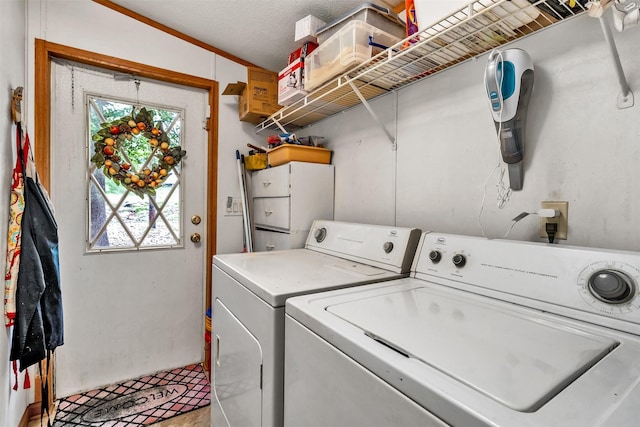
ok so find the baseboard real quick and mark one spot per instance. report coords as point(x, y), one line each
point(24, 421)
point(32, 413)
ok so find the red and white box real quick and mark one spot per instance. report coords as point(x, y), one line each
point(291, 83)
point(302, 51)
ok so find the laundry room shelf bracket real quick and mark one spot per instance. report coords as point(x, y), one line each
point(373, 114)
point(277, 123)
point(625, 97)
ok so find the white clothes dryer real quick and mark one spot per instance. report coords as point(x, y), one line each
point(248, 299)
point(483, 333)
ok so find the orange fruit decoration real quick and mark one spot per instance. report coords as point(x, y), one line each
point(111, 155)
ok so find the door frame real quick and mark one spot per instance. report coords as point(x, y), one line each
point(46, 51)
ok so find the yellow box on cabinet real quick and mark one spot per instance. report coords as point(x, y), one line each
point(256, 162)
point(258, 98)
point(286, 153)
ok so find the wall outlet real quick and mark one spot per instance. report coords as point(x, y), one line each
point(562, 220)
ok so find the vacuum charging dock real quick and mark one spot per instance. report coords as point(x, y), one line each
point(509, 82)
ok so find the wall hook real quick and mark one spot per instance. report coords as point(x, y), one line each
point(16, 107)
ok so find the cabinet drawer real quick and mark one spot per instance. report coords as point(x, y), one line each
point(271, 241)
point(271, 212)
point(267, 240)
point(272, 182)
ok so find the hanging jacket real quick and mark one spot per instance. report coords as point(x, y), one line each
point(38, 324)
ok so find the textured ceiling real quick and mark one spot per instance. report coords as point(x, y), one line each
point(258, 31)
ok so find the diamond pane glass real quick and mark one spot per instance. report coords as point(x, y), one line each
point(119, 218)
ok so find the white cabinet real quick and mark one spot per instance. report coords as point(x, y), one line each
point(286, 200)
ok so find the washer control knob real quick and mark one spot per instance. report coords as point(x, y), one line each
point(320, 234)
point(435, 256)
point(459, 260)
point(611, 286)
point(388, 247)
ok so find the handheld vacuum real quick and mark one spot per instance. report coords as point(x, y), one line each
point(509, 81)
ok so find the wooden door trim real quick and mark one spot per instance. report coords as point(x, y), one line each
point(45, 51)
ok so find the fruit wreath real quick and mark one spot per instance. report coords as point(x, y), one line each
point(110, 144)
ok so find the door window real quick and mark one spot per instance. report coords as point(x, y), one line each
point(119, 219)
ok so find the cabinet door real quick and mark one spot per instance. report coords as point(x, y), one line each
point(272, 182)
point(271, 212)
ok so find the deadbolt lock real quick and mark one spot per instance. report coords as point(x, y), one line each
point(195, 220)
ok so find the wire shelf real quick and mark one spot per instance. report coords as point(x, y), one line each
point(481, 26)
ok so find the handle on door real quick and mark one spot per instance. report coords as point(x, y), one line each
point(266, 212)
point(270, 247)
point(266, 183)
point(195, 237)
point(217, 351)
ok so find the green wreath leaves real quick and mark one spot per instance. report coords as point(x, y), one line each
point(110, 144)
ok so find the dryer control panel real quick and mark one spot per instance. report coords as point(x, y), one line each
point(391, 248)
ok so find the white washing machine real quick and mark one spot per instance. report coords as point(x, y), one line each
point(483, 333)
point(249, 294)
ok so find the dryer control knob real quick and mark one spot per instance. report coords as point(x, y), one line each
point(320, 234)
point(459, 260)
point(611, 286)
point(435, 256)
point(388, 247)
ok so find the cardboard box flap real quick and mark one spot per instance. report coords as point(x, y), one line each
point(234, 88)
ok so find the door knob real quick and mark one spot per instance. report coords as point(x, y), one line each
point(195, 237)
point(195, 220)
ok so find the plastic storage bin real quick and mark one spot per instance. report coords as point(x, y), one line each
point(286, 153)
point(380, 17)
point(349, 47)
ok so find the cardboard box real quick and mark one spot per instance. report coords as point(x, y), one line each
point(291, 83)
point(302, 51)
point(258, 98)
point(306, 29)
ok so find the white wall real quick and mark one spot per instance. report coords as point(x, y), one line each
point(580, 147)
point(12, 75)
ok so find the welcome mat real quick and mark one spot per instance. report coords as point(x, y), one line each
point(141, 402)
